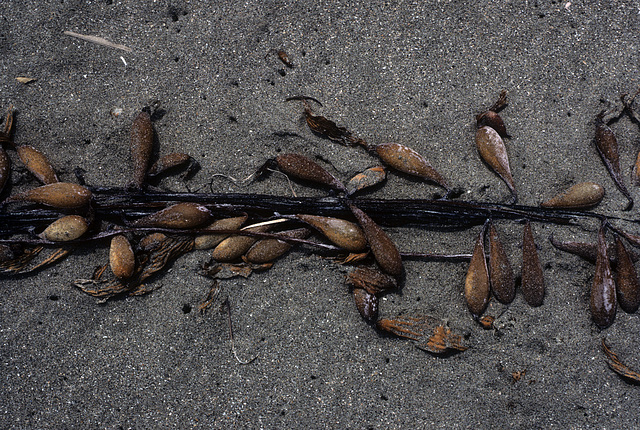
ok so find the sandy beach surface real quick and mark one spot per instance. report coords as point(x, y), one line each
point(415, 73)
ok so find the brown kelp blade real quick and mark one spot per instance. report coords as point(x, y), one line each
point(607, 146)
point(627, 285)
point(429, 333)
point(533, 288)
point(603, 289)
point(476, 285)
point(37, 163)
point(493, 151)
point(589, 251)
point(503, 283)
point(618, 366)
point(384, 250)
point(22, 264)
point(583, 195)
point(301, 167)
point(343, 233)
point(5, 135)
point(141, 145)
point(406, 160)
point(371, 280)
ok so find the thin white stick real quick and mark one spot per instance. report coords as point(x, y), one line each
point(98, 40)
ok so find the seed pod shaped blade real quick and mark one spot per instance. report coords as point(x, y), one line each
point(303, 168)
point(476, 284)
point(141, 145)
point(268, 250)
point(603, 289)
point(503, 282)
point(533, 287)
point(627, 285)
point(580, 196)
point(180, 215)
point(366, 303)
point(607, 146)
point(341, 232)
point(384, 250)
point(61, 195)
point(406, 160)
point(36, 162)
point(493, 151)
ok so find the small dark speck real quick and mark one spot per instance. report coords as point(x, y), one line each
point(53, 297)
point(282, 72)
point(176, 59)
point(232, 118)
point(548, 266)
point(186, 308)
point(569, 113)
point(387, 360)
point(524, 166)
point(327, 62)
point(235, 83)
point(314, 377)
point(383, 397)
point(541, 15)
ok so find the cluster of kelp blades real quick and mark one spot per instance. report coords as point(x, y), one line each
point(148, 229)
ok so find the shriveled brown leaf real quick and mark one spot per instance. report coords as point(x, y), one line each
point(607, 146)
point(603, 289)
point(429, 333)
point(618, 366)
point(369, 178)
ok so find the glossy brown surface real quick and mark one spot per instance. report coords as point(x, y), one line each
point(232, 248)
point(384, 250)
point(121, 257)
point(168, 162)
point(37, 163)
point(366, 303)
point(62, 195)
point(476, 285)
point(603, 289)
point(493, 151)
point(627, 285)
point(343, 233)
point(533, 285)
point(372, 280)
point(267, 250)
point(580, 196)
point(302, 167)
point(141, 146)
point(70, 227)
point(503, 283)
point(208, 241)
point(406, 160)
point(180, 215)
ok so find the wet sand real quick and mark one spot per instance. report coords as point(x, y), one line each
point(415, 74)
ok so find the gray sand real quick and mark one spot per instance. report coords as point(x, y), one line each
point(410, 73)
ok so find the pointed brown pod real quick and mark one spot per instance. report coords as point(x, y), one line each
point(341, 232)
point(180, 215)
point(61, 195)
point(302, 167)
point(121, 257)
point(208, 241)
point(408, 161)
point(493, 151)
point(67, 228)
point(141, 147)
point(580, 196)
point(366, 303)
point(603, 289)
point(5, 168)
point(267, 250)
point(36, 162)
point(627, 285)
point(476, 284)
point(607, 146)
point(384, 250)
point(234, 247)
point(503, 283)
point(533, 288)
